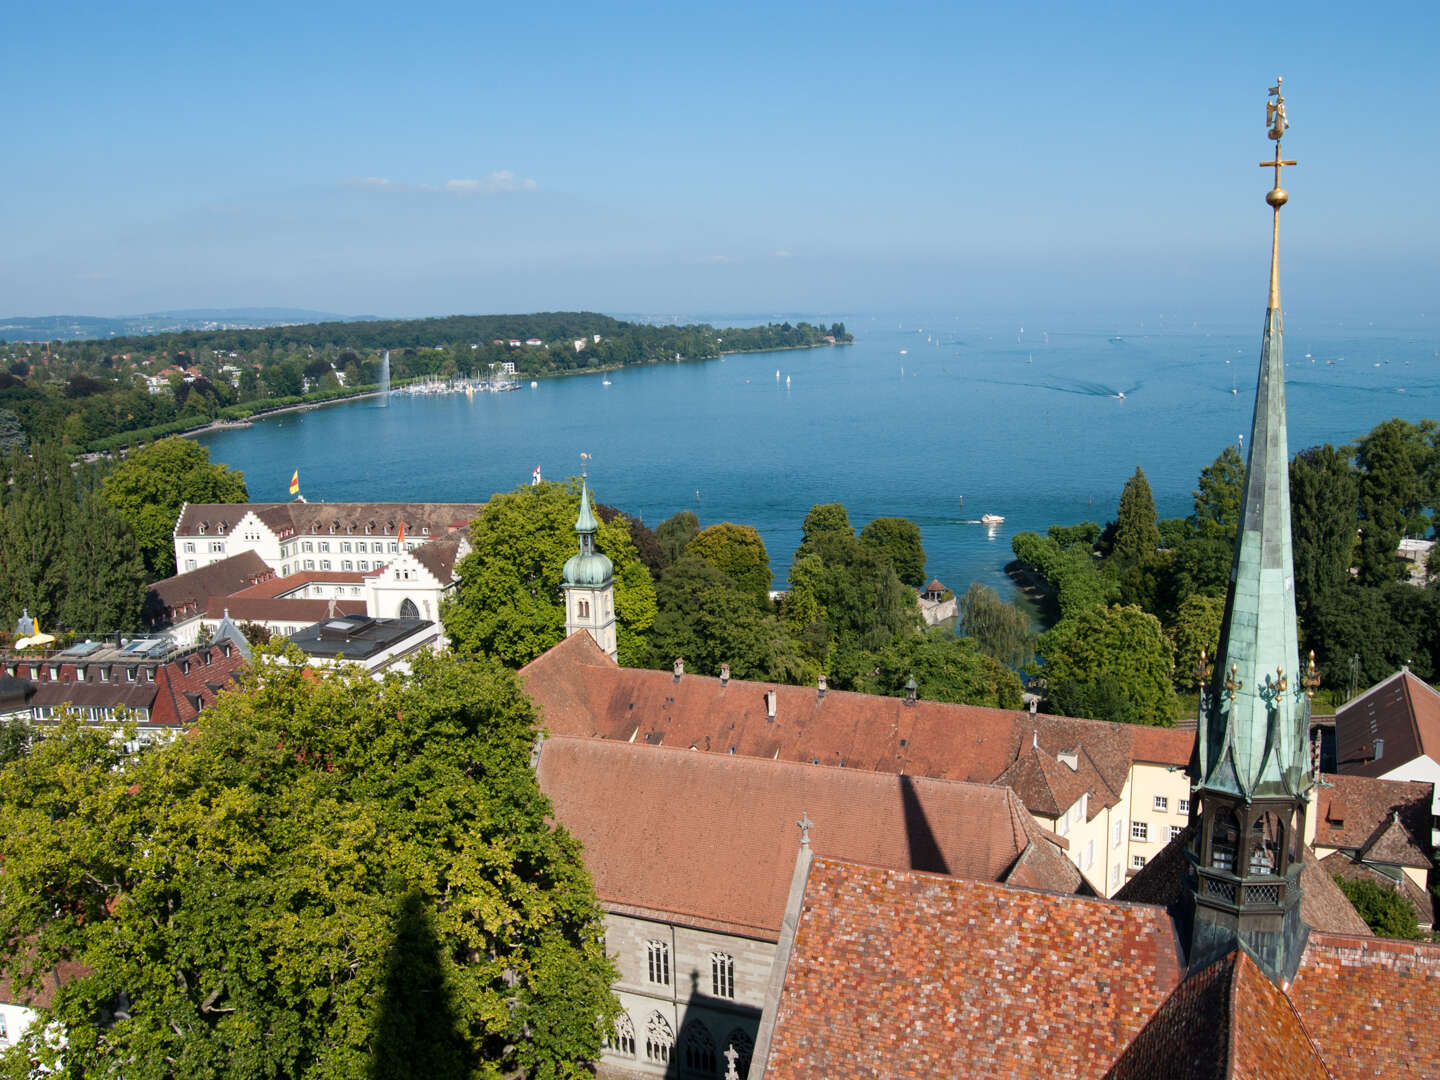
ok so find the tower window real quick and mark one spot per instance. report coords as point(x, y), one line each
point(658, 958)
point(582, 608)
point(1267, 837)
point(1225, 842)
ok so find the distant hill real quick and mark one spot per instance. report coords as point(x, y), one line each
point(89, 327)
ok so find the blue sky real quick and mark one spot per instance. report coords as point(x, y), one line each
point(421, 159)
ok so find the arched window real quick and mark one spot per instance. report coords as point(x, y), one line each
point(622, 1039)
point(408, 610)
point(1267, 839)
point(582, 608)
point(744, 1046)
point(699, 1050)
point(1225, 841)
point(659, 1039)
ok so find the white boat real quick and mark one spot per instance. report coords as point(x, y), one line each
point(605, 383)
point(991, 519)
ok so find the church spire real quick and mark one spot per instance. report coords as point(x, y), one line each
point(1252, 769)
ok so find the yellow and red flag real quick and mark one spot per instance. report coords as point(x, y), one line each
point(295, 483)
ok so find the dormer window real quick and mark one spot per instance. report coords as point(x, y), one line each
point(425, 530)
point(201, 529)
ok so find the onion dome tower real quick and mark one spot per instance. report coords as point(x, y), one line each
point(1251, 770)
point(589, 580)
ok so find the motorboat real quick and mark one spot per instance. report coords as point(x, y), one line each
point(991, 519)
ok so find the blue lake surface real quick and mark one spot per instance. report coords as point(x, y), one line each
point(928, 418)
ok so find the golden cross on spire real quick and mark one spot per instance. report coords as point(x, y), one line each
point(1275, 119)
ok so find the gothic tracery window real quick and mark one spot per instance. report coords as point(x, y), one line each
point(1267, 836)
point(744, 1046)
point(408, 610)
point(722, 975)
point(622, 1039)
point(699, 1050)
point(659, 1039)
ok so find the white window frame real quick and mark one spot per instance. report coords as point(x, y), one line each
point(1140, 830)
point(722, 975)
point(1137, 862)
point(1161, 803)
point(657, 963)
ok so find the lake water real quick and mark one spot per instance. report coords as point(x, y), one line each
point(925, 418)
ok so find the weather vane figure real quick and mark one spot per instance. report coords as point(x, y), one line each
point(1277, 195)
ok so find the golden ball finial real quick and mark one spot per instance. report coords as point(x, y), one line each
point(1277, 197)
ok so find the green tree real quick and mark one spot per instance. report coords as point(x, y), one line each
point(1392, 460)
point(1219, 495)
point(104, 571)
point(999, 630)
point(509, 603)
point(150, 485)
point(1086, 534)
point(38, 509)
point(1196, 626)
point(945, 668)
point(1384, 910)
point(675, 532)
point(1137, 532)
point(1114, 657)
point(738, 552)
point(707, 619)
point(822, 520)
point(1324, 495)
point(898, 539)
point(316, 853)
point(12, 434)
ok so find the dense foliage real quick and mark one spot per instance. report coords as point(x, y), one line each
point(508, 604)
point(149, 487)
point(1384, 910)
point(66, 555)
point(1363, 610)
point(329, 877)
point(97, 395)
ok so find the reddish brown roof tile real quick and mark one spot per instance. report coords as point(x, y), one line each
point(1371, 1005)
point(1403, 712)
point(901, 974)
point(669, 833)
point(1359, 813)
point(580, 691)
point(191, 591)
point(1227, 1021)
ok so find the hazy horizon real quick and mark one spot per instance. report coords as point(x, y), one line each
point(1045, 159)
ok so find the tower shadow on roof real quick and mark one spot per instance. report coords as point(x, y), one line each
point(925, 852)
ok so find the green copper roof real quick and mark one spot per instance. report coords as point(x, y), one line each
point(586, 522)
point(1254, 735)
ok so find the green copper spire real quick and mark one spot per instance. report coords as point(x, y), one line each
point(1254, 719)
point(586, 523)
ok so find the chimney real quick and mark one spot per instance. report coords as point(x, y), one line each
point(724, 674)
point(1034, 705)
point(820, 687)
point(911, 690)
point(679, 667)
point(770, 698)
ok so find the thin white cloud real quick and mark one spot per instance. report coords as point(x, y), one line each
point(500, 181)
point(783, 254)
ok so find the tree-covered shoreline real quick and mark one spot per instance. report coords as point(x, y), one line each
point(102, 395)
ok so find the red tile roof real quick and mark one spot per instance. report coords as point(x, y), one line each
point(279, 586)
point(669, 833)
point(901, 974)
point(1371, 1005)
point(1226, 1021)
point(191, 591)
point(1385, 820)
point(1403, 712)
point(581, 691)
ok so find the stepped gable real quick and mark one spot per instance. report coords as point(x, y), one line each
point(421, 519)
point(1162, 881)
point(1226, 1022)
point(1386, 820)
point(580, 691)
point(439, 557)
point(1371, 1004)
point(1403, 712)
point(191, 591)
point(901, 973)
point(626, 803)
